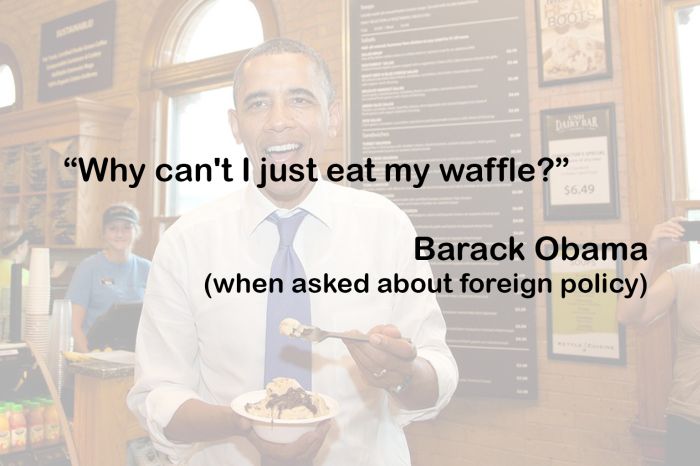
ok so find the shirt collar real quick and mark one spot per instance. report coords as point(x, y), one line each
point(258, 207)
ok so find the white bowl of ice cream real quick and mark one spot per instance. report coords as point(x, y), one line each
point(284, 411)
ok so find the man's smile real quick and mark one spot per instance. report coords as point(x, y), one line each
point(282, 152)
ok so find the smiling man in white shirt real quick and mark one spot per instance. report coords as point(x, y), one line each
point(195, 354)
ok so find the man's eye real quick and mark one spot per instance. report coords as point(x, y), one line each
point(300, 101)
point(257, 104)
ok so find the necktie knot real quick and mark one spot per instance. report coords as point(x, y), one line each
point(288, 227)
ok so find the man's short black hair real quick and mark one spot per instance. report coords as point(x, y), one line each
point(280, 45)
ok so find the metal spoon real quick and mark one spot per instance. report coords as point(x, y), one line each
point(293, 328)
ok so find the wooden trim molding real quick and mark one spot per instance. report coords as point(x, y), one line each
point(186, 75)
point(74, 117)
point(683, 206)
point(268, 17)
point(168, 21)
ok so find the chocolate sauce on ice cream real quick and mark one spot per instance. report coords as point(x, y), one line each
point(286, 399)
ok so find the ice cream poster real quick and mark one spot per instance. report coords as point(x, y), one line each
point(573, 40)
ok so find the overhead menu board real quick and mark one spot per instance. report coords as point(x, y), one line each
point(446, 82)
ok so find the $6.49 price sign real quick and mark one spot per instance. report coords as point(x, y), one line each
point(579, 190)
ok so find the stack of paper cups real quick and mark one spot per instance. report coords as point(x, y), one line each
point(36, 299)
point(59, 340)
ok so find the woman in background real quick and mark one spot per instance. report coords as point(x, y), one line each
point(111, 276)
point(677, 288)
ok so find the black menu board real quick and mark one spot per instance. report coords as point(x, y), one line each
point(446, 82)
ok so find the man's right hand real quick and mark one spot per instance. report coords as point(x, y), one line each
point(665, 235)
point(300, 452)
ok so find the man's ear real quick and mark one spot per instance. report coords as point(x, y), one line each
point(233, 121)
point(334, 118)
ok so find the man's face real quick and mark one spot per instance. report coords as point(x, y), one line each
point(283, 115)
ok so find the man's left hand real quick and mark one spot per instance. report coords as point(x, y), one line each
point(388, 360)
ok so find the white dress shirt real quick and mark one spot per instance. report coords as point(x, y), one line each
point(193, 347)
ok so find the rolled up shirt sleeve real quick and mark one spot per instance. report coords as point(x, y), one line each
point(429, 338)
point(418, 316)
point(166, 372)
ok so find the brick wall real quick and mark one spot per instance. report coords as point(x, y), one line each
point(583, 412)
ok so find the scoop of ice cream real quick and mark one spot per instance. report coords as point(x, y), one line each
point(286, 399)
point(281, 385)
point(291, 327)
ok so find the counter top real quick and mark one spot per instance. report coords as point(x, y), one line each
point(102, 369)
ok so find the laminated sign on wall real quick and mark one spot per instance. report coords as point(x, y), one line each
point(77, 53)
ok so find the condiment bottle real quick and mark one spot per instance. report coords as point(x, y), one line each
point(18, 429)
point(52, 425)
point(5, 436)
point(36, 423)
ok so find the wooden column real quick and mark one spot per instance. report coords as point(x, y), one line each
point(649, 203)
